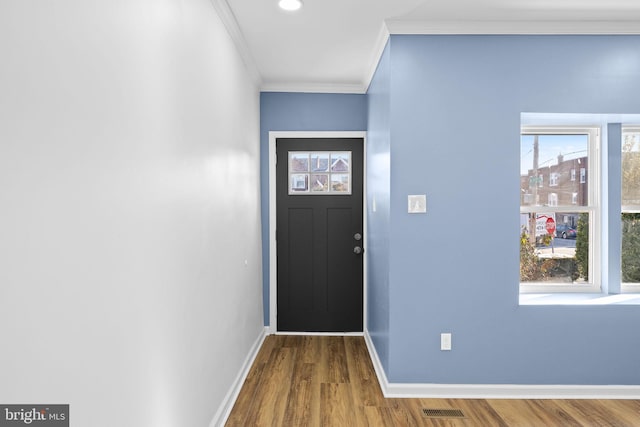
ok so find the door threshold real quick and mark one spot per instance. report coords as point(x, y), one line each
point(323, 334)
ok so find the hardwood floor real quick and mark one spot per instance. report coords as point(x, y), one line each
point(330, 381)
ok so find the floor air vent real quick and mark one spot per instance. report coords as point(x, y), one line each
point(443, 413)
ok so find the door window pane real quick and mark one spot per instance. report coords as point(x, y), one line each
point(319, 162)
point(299, 182)
point(340, 183)
point(319, 182)
point(319, 173)
point(298, 162)
point(340, 162)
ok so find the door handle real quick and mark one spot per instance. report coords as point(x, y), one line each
point(358, 250)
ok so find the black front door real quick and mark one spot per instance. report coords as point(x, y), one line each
point(319, 186)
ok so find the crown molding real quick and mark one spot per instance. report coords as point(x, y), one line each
point(513, 27)
point(378, 50)
point(310, 87)
point(231, 23)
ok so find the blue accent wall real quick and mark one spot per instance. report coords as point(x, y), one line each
point(378, 209)
point(300, 112)
point(453, 118)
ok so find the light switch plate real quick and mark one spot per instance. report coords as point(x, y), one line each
point(445, 341)
point(417, 203)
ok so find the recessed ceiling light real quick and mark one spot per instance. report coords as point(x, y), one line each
point(290, 5)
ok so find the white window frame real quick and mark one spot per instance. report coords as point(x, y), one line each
point(628, 287)
point(554, 177)
point(573, 174)
point(594, 207)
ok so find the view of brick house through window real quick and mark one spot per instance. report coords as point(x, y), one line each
point(555, 207)
point(580, 208)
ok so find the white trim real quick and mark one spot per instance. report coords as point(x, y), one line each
point(273, 276)
point(630, 288)
point(495, 391)
point(377, 364)
point(310, 87)
point(511, 391)
point(378, 50)
point(400, 26)
point(594, 208)
point(566, 299)
point(231, 23)
point(224, 410)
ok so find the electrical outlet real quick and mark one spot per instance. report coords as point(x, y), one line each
point(445, 342)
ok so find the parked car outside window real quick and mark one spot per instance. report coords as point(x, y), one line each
point(565, 231)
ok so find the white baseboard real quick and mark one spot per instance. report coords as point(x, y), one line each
point(220, 418)
point(495, 391)
point(377, 364)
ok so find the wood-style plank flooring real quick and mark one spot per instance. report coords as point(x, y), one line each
point(330, 381)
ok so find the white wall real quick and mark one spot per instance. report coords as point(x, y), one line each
point(130, 277)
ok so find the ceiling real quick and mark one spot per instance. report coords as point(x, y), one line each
point(334, 45)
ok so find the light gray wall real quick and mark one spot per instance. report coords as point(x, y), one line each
point(130, 266)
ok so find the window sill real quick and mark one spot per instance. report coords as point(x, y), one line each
point(579, 299)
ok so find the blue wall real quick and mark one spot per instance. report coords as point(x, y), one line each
point(379, 208)
point(300, 112)
point(454, 136)
point(443, 119)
